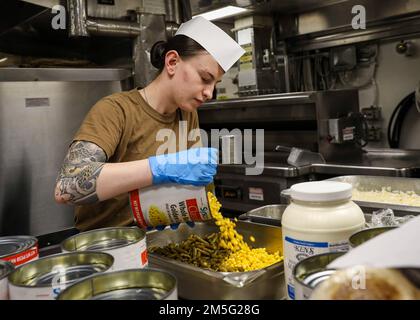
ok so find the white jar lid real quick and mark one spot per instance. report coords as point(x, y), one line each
point(321, 191)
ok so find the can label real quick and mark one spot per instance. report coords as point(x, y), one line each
point(167, 204)
point(24, 256)
point(311, 280)
point(303, 293)
point(4, 290)
point(25, 293)
point(173, 295)
point(36, 293)
point(130, 257)
point(296, 250)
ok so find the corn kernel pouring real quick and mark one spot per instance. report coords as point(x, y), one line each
point(225, 251)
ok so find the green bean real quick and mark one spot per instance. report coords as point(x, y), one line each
point(203, 252)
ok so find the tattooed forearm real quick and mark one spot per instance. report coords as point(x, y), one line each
point(76, 182)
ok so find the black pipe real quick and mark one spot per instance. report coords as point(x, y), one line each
point(185, 8)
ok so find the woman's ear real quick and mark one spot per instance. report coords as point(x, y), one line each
point(172, 59)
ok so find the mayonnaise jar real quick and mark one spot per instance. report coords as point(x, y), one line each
point(320, 218)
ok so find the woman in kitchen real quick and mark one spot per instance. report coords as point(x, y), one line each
point(118, 149)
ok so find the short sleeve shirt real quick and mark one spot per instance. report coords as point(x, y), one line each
point(127, 128)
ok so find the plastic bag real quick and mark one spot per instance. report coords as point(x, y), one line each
point(386, 218)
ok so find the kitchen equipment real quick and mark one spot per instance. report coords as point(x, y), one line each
point(231, 149)
point(126, 244)
point(310, 272)
point(40, 111)
point(301, 157)
point(270, 214)
point(362, 236)
point(298, 120)
point(377, 183)
point(140, 284)
point(198, 283)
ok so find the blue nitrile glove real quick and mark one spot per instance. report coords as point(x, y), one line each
point(195, 166)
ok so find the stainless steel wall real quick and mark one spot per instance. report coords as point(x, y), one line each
point(37, 122)
point(330, 26)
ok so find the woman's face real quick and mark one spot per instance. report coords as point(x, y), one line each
point(195, 79)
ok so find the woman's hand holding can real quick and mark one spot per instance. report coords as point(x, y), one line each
point(195, 166)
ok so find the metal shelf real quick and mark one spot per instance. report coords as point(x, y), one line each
point(63, 74)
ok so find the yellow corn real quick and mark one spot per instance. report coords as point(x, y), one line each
point(224, 251)
point(241, 257)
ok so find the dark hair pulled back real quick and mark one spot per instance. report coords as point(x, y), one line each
point(185, 46)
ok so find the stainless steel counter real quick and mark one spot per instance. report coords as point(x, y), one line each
point(380, 162)
point(240, 193)
point(270, 169)
point(63, 74)
point(197, 283)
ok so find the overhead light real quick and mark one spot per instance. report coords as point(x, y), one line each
point(224, 12)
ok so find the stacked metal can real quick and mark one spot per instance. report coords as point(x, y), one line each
point(5, 269)
point(18, 249)
point(44, 278)
point(126, 244)
point(134, 284)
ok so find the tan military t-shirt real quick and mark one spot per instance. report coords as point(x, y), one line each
point(125, 127)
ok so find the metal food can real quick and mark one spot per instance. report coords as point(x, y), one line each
point(138, 284)
point(44, 278)
point(126, 244)
point(167, 204)
point(231, 149)
point(5, 269)
point(18, 249)
point(310, 272)
point(360, 237)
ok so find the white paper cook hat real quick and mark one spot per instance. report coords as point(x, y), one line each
point(218, 43)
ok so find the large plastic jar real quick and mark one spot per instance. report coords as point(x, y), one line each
point(320, 218)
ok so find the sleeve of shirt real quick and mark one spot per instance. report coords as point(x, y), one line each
point(103, 125)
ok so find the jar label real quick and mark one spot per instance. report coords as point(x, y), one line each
point(296, 250)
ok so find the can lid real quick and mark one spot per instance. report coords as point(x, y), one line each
point(136, 284)
point(137, 293)
point(15, 244)
point(316, 278)
point(61, 269)
point(321, 191)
